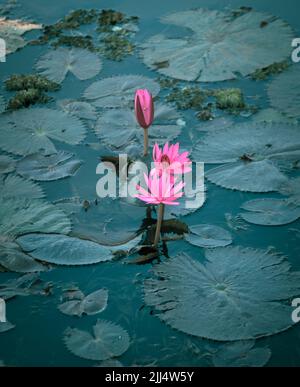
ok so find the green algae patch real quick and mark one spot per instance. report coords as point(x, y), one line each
point(30, 90)
point(187, 98)
point(273, 69)
point(231, 99)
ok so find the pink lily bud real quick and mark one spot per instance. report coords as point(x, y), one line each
point(144, 108)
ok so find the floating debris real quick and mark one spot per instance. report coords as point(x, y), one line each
point(273, 69)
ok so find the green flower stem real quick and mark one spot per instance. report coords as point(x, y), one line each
point(145, 142)
point(160, 216)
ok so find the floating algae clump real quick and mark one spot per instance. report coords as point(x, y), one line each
point(30, 89)
point(115, 47)
point(70, 22)
point(109, 18)
point(25, 98)
point(187, 98)
point(76, 41)
point(273, 69)
point(231, 99)
point(30, 81)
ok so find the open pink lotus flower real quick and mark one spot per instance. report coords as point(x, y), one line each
point(162, 188)
point(144, 108)
point(169, 159)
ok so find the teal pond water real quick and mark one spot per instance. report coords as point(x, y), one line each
point(39, 337)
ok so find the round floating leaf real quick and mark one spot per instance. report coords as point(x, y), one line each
point(104, 222)
point(208, 235)
point(63, 250)
point(246, 288)
point(78, 109)
point(222, 45)
point(119, 129)
point(15, 187)
point(7, 164)
point(108, 340)
point(257, 176)
point(13, 259)
point(35, 128)
point(94, 303)
point(284, 92)
point(253, 152)
point(21, 216)
point(56, 64)
point(119, 91)
point(48, 167)
point(241, 354)
point(272, 116)
point(292, 189)
point(270, 212)
point(6, 326)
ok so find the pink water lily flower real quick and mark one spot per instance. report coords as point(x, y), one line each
point(162, 189)
point(169, 159)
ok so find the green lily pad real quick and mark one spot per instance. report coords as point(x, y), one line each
point(35, 128)
point(270, 212)
point(48, 167)
point(284, 92)
point(15, 187)
point(79, 109)
point(56, 64)
point(222, 45)
point(251, 152)
point(246, 288)
point(116, 92)
point(91, 304)
point(63, 250)
point(13, 259)
point(241, 354)
point(107, 341)
point(208, 235)
point(7, 164)
point(118, 128)
point(22, 216)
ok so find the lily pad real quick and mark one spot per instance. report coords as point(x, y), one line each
point(107, 341)
point(63, 250)
point(13, 259)
point(252, 153)
point(272, 115)
point(48, 167)
point(6, 326)
point(22, 216)
point(292, 189)
point(15, 187)
point(208, 235)
point(56, 64)
point(118, 128)
point(198, 298)
point(284, 92)
point(102, 226)
point(270, 212)
point(79, 109)
point(35, 128)
point(7, 164)
point(221, 47)
point(12, 30)
point(94, 303)
point(241, 354)
point(116, 92)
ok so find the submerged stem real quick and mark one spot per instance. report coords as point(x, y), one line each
point(145, 142)
point(160, 216)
